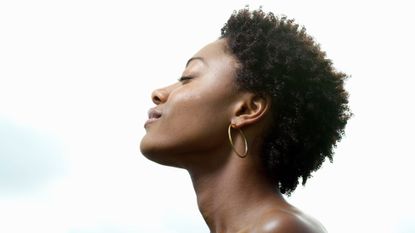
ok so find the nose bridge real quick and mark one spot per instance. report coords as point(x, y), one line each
point(161, 95)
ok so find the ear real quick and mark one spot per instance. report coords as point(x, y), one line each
point(251, 108)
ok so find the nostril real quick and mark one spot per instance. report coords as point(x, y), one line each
point(161, 95)
point(157, 96)
point(156, 99)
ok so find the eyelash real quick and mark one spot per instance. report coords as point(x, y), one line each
point(184, 78)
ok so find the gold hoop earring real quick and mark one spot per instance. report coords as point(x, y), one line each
point(231, 141)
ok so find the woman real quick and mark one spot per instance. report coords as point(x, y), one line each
point(252, 113)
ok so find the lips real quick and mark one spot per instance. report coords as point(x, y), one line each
point(153, 115)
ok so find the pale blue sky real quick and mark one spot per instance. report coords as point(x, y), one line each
point(75, 84)
point(29, 159)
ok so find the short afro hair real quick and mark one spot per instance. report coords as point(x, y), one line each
point(309, 104)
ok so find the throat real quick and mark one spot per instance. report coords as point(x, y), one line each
point(224, 195)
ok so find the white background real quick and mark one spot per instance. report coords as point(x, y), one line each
point(75, 84)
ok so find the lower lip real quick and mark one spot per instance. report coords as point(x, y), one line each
point(149, 121)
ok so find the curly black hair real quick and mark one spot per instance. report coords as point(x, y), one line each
point(309, 103)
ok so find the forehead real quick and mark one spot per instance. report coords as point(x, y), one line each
point(214, 48)
point(215, 64)
point(215, 52)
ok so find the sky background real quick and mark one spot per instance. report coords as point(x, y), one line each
point(75, 84)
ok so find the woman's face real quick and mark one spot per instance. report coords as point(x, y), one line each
point(191, 116)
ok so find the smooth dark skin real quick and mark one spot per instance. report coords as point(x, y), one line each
point(234, 194)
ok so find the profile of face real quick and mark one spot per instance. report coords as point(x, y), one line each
point(191, 116)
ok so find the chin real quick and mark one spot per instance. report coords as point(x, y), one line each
point(158, 155)
point(149, 150)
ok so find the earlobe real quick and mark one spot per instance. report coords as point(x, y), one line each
point(251, 109)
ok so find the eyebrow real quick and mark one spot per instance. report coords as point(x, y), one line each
point(195, 58)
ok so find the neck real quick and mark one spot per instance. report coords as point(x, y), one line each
point(226, 193)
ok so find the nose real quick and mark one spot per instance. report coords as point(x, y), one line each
point(159, 96)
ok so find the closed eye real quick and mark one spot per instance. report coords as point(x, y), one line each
point(184, 78)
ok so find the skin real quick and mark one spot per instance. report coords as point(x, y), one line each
point(233, 193)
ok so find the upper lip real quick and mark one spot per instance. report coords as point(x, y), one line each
point(154, 113)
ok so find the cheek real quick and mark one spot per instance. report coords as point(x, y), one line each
point(194, 117)
point(190, 124)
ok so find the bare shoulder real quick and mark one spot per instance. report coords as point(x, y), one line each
point(281, 221)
